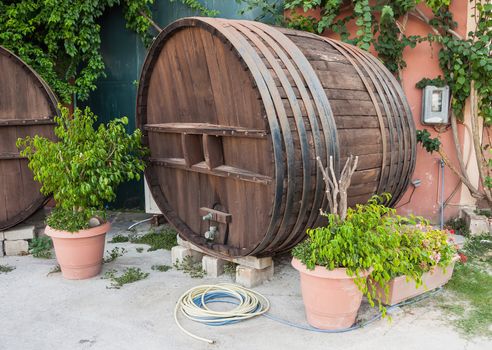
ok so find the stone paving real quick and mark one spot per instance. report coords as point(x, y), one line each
point(40, 311)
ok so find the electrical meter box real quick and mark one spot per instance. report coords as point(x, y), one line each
point(435, 105)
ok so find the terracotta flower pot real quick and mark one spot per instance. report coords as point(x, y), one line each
point(331, 298)
point(80, 254)
point(400, 289)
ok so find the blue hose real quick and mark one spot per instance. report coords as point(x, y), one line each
point(222, 297)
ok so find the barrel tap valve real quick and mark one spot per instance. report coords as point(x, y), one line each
point(210, 234)
point(208, 217)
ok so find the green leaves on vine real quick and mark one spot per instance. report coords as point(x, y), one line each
point(429, 143)
point(61, 39)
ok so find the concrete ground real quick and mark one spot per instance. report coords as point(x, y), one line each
point(47, 312)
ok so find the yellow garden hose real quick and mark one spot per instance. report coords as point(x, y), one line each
point(193, 305)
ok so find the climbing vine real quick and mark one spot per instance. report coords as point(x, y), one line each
point(61, 39)
point(466, 63)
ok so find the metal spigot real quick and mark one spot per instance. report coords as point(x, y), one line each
point(209, 216)
point(210, 234)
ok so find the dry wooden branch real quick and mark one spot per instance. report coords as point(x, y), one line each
point(336, 188)
point(151, 21)
point(481, 161)
point(417, 13)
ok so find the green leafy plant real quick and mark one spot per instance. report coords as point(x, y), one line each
point(374, 238)
point(459, 226)
point(484, 212)
point(230, 269)
point(469, 295)
point(130, 275)
point(119, 239)
point(61, 39)
point(40, 247)
point(114, 254)
point(198, 7)
point(83, 167)
point(164, 239)
point(54, 269)
point(431, 144)
point(270, 10)
point(161, 268)
point(6, 268)
point(190, 267)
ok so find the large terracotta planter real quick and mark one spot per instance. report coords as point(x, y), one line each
point(331, 298)
point(79, 254)
point(400, 289)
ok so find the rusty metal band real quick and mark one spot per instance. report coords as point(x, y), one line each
point(324, 112)
point(394, 172)
point(410, 133)
point(247, 52)
point(343, 50)
point(306, 100)
point(254, 34)
point(402, 142)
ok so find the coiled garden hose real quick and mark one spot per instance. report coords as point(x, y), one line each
point(249, 304)
point(193, 304)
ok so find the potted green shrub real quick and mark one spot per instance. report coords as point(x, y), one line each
point(335, 261)
point(424, 261)
point(82, 169)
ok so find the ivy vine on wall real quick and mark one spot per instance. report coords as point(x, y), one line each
point(466, 63)
point(61, 39)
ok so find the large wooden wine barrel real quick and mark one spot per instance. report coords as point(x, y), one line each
point(236, 112)
point(27, 108)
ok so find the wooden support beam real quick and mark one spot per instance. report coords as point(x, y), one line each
point(205, 129)
point(221, 171)
point(26, 122)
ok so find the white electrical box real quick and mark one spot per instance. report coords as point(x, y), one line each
point(435, 105)
point(150, 205)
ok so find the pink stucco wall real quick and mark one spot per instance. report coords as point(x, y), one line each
point(422, 61)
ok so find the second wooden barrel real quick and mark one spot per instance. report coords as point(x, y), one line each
point(27, 108)
point(236, 112)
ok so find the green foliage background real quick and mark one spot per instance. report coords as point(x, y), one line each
point(61, 39)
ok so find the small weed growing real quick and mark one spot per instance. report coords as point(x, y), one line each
point(130, 275)
point(230, 269)
point(484, 212)
point(54, 269)
point(139, 249)
point(470, 300)
point(119, 239)
point(472, 285)
point(114, 254)
point(40, 247)
point(188, 266)
point(6, 268)
point(163, 239)
point(459, 226)
point(161, 268)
